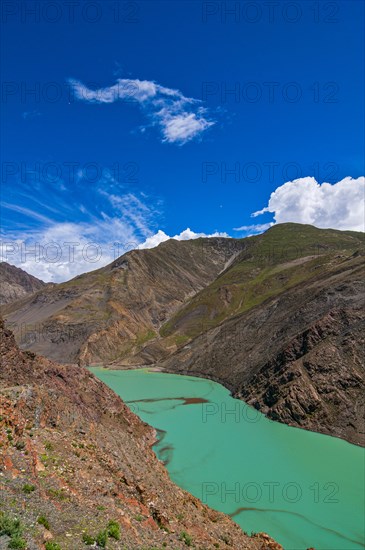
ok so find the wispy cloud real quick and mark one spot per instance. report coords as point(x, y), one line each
point(254, 228)
point(52, 248)
point(26, 212)
point(179, 118)
point(133, 210)
point(29, 115)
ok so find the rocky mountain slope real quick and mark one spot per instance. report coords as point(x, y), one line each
point(16, 283)
point(277, 318)
point(283, 328)
point(299, 355)
point(77, 469)
point(111, 313)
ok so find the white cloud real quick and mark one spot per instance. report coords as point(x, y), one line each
point(185, 235)
point(188, 234)
point(123, 89)
point(180, 118)
point(154, 240)
point(184, 127)
point(336, 206)
point(255, 228)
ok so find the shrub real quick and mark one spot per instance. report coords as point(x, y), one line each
point(12, 528)
point(17, 542)
point(52, 546)
point(88, 539)
point(42, 520)
point(9, 526)
point(27, 488)
point(57, 493)
point(102, 539)
point(184, 536)
point(114, 530)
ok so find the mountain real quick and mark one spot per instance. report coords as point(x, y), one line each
point(286, 336)
point(77, 465)
point(276, 318)
point(111, 313)
point(16, 283)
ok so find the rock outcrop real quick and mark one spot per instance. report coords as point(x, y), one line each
point(16, 283)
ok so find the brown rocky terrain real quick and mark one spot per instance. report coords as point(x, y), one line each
point(77, 466)
point(16, 283)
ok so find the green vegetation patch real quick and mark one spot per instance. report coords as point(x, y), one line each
point(88, 539)
point(185, 537)
point(114, 530)
point(12, 528)
point(59, 494)
point(17, 542)
point(145, 337)
point(28, 488)
point(42, 520)
point(101, 539)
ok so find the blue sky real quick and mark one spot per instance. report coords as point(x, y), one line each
point(137, 120)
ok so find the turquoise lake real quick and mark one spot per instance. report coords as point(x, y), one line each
point(302, 488)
